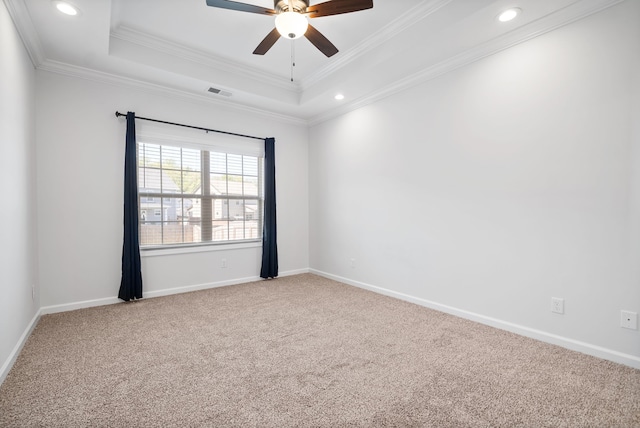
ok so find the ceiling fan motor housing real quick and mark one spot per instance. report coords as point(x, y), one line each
point(283, 5)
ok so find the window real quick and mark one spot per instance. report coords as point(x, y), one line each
point(198, 196)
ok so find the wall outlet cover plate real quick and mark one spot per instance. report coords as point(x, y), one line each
point(629, 320)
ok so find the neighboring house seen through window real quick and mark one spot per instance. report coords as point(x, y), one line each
point(185, 196)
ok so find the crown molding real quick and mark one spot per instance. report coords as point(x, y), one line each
point(27, 31)
point(121, 81)
point(565, 16)
point(398, 25)
point(140, 38)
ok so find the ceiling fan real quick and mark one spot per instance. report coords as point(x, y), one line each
point(291, 19)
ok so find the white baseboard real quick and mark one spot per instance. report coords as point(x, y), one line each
point(293, 272)
point(45, 310)
point(206, 286)
point(6, 367)
point(574, 345)
point(197, 287)
point(65, 307)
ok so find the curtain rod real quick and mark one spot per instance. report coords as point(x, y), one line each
point(118, 114)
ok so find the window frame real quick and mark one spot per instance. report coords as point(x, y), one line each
point(203, 197)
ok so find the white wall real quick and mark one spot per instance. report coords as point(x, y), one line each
point(634, 193)
point(489, 190)
point(80, 191)
point(17, 216)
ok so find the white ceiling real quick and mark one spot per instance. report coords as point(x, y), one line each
point(186, 47)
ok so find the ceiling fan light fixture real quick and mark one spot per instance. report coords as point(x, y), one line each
point(291, 25)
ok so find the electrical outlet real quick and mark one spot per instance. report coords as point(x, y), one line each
point(352, 263)
point(223, 263)
point(629, 319)
point(557, 305)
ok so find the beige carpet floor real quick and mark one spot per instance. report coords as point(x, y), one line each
point(302, 351)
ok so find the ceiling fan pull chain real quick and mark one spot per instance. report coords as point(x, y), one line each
point(293, 58)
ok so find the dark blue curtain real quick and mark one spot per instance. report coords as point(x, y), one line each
point(131, 282)
point(269, 233)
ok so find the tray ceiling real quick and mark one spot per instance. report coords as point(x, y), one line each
point(187, 47)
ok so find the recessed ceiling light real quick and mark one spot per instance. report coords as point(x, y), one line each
point(509, 14)
point(339, 97)
point(66, 8)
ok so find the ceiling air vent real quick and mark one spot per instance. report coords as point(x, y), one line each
point(220, 92)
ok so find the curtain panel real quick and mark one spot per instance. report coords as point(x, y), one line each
point(269, 267)
point(131, 282)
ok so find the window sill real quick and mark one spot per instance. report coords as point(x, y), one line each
point(160, 251)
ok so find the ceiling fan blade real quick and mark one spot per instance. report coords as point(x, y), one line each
point(320, 41)
point(267, 42)
point(243, 7)
point(336, 7)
